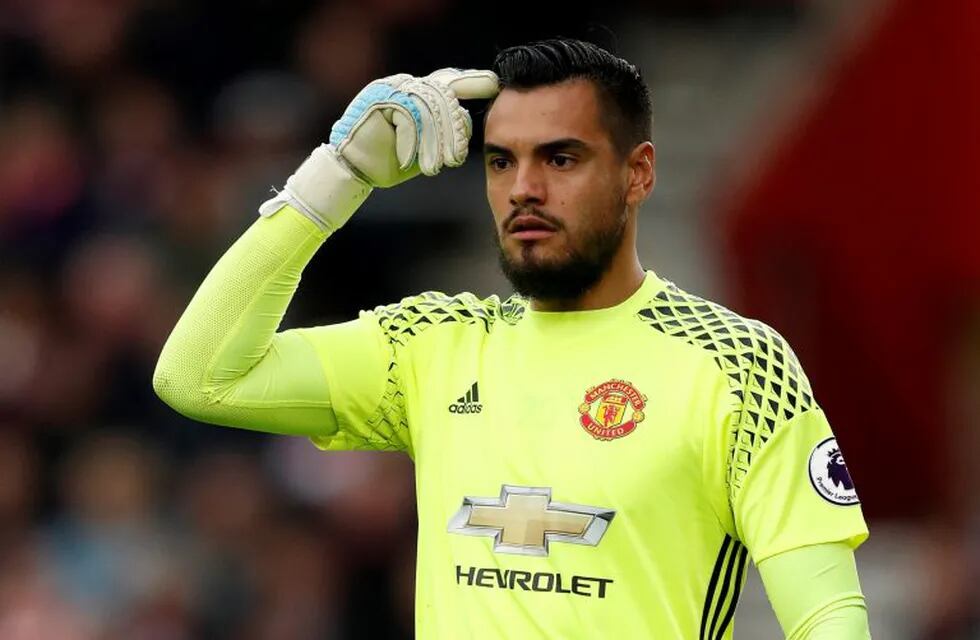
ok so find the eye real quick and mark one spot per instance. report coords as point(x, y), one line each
point(498, 163)
point(562, 161)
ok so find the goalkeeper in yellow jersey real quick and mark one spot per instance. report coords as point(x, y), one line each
point(598, 455)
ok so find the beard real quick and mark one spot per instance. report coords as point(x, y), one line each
point(570, 275)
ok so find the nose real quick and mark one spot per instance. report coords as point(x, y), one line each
point(528, 187)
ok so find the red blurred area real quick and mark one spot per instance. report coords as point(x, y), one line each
point(857, 237)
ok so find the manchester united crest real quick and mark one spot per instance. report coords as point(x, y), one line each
point(612, 410)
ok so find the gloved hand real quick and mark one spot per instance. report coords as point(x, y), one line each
point(394, 129)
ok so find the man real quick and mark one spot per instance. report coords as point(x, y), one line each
point(596, 456)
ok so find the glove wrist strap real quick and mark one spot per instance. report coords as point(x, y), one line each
point(323, 188)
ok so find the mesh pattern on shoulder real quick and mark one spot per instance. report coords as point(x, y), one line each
point(764, 376)
point(387, 429)
point(404, 320)
point(410, 317)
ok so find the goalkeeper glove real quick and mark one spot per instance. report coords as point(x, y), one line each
point(394, 129)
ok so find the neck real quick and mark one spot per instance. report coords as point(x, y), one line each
point(621, 280)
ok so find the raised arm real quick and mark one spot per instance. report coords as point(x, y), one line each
point(224, 362)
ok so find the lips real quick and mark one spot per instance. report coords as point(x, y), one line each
point(528, 227)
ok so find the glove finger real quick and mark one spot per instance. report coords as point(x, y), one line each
point(395, 81)
point(406, 137)
point(430, 154)
point(468, 84)
point(409, 118)
point(458, 146)
point(368, 98)
point(458, 126)
point(450, 124)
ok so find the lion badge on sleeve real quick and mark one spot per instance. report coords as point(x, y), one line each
point(829, 475)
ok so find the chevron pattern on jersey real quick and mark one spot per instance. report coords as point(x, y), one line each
point(512, 309)
point(390, 414)
point(410, 317)
point(414, 315)
point(763, 373)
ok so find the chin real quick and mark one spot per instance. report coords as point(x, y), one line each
point(538, 259)
point(532, 257)
point(548, 250)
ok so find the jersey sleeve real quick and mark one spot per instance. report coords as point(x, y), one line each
point(788, 484)
point(365, 371)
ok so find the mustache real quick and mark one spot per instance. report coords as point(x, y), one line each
point(534, 212)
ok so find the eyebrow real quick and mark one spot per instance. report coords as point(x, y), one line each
point(553, 146)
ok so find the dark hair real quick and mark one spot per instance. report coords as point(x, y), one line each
point(624, 97)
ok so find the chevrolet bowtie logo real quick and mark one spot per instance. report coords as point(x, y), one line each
point(524, 520)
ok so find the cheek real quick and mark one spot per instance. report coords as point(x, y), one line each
point(588, 185)
point(499, 200)
point(582, 199)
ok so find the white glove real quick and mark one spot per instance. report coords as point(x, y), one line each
point(395, 128)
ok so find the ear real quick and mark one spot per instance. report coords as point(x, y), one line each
point(642, 162)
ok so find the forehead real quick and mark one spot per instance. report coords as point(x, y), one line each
point(569, 109)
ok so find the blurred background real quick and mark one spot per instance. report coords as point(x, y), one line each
point(817, 163)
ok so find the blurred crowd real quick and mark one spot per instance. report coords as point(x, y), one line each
point(136, 140)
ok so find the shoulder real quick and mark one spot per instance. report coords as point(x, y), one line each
point(415, 314)
point(757, 360)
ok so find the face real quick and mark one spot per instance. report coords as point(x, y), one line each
point(559, 191)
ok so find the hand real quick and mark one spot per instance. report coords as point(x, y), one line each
point(400, 125)
point(394, 129)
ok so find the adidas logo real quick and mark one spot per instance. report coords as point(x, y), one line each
point(470, 403)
